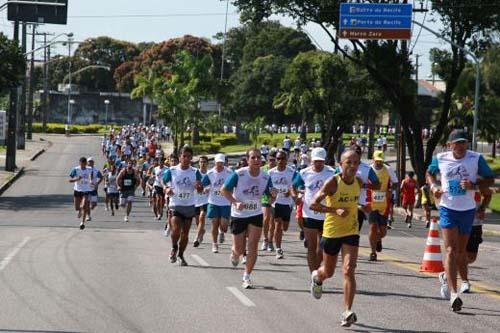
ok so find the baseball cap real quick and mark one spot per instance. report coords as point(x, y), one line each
point(318, 154)
point(220, 158)
point(90, 159)
point(378, 155)
point(457, 136)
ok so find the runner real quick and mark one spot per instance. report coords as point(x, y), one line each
point(219, 208)
point(287, 144)
point(159, 195)
point(282, 178)
point(112, 187)
point(408, 189)
point(459, 170)
point(296, 148)
point(311, 179)
point(341, 232)
point(181, 182)
point(97, 178)
point(81, 177)
point(244, 189)
point(201, 204)
point(476, 237)
point(267, 210)
point(379, 202)
point(128, 180)
point(427, 203)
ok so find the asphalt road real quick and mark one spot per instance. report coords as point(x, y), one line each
point(116, 277)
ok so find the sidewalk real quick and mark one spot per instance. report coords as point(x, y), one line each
point(24, 158)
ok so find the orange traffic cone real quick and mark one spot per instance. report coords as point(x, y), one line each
point(433, 259)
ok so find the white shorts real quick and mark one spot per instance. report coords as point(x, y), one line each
point(126, 197)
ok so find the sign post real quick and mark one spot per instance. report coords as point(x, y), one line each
point(375, 21)
point(3, 127)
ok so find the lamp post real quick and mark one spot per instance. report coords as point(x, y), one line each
point(106, 105)
point(70, 39)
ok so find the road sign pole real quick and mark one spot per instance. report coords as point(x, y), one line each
point(10, 158)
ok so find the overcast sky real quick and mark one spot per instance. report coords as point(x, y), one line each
point(158, 20)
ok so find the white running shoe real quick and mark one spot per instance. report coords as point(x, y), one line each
point(465, 287)
point(279, 253)
point(221, 237)
point(265, 243)
point(106, 209)
point(456, 303)
point(244, 260)
point(215, 248)
point(166, 232)
point(88, 219)
point(445, 291)
point(247, 283)
point(316, 287)
point(348, 318)
point(125, 218)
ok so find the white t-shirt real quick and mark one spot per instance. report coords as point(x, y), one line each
point(216, 181)
point(159, 172)
point(313, 181)
point(282, 181)
point(182, 183)
point(85, 183)
point(201, 198)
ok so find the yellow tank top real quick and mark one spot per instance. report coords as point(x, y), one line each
point(379, 199)
point(347, 196)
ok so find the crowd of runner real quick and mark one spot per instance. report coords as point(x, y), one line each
point(256, 198)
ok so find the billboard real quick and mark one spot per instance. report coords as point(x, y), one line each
point(38, 11)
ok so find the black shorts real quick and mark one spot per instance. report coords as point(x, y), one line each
point(200, 209)
point(282, 212)
point(476, 238)
point(313, 224)
point(332, 246)
point(240, 224)
point(183, 212)
point(78, 194)
point(114, 195)
point(159, 191)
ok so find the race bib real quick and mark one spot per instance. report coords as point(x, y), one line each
point(127, 182)
point(282, 190)
point(217, 193)
point(379, 196)
point(251, 205)
point(454, 188)
point(184, 195)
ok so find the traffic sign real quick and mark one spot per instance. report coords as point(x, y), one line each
point(375, 21)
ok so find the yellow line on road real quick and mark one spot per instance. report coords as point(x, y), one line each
point(477, 287)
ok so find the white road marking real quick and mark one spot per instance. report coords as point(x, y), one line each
point(240, 296)
point(13, 253)
point(200, 260)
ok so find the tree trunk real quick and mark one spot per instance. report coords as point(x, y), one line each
point(494, 149)
point(195, 135)
point(371, 136)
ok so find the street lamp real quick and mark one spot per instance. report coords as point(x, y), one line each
point(70, 39)
point(106, 104)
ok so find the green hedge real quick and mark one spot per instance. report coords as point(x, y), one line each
point(207, 148)
point(53, 128)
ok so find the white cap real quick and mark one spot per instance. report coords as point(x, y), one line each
point(220, 158)
point(90, 159)
point(318, 154)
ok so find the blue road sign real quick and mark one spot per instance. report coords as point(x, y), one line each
point(375, 21)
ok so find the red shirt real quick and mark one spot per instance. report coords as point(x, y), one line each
point(408, 188)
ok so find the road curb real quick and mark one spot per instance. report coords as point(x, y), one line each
point(38, 153)
point(11, 181)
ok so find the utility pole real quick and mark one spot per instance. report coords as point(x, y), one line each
point(10, 158)
point(31, 87)
point(21, 140)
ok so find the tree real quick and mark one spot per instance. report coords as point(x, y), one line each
point(12, 64)
point(104, 51)
point(387, 62)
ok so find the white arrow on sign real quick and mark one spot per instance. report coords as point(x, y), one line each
point(345, 21)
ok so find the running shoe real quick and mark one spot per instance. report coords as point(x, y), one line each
point(270, 247)
point(106, 209)
point(348, 318)
point(373, 256)
point(125, 218)
point(279, 254)
point(247, 283)
point(465, 287)
point(456, 303)
point(173, 256)
point(182, 261)
point(196, 243)
point(215, 248)
point(316, 287)
point(88, 219)
point(244, 260)
point(166, 233)
point(200, 239)
point(79, 215)
point(82, 226)
point(301, 235)
point(389, 227)
point(143, 193)
point(234, 259)
point(221, 237)
point(265, 243)
point(112, 213)
point(445, 291)
point(379, 246)
point(409, 225)
point(427, 225)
